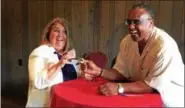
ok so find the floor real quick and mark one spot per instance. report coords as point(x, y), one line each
point(7, 102)
point(14, 97)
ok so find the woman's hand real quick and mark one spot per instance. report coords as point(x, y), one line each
point(66, 58)
point(69, 55)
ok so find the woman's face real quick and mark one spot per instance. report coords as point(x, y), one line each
point(58, 37)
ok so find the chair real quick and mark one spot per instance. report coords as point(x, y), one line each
point(113, 62)
point(97, 57)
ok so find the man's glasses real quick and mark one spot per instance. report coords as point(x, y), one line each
point(135, 22)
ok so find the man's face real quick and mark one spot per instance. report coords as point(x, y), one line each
point(139, 24)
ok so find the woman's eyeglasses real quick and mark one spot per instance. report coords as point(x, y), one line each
point(135, 22)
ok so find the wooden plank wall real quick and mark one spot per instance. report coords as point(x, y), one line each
point(12, 42)
point(94, 25)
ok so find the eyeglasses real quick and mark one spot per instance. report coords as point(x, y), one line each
point(135, 22)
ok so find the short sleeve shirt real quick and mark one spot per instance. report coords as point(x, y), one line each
point(160, 65)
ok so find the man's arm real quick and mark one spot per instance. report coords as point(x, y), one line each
point(114, 75)
point(111, 74)
point(137, 87)
point(91, 68)
point(111, 88)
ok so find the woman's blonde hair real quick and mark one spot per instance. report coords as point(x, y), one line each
point(47, 30)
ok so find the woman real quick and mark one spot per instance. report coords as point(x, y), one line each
point(50, 63)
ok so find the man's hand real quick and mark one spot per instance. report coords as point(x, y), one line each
point(89, 77)
point(109, 89)
point(89, 67)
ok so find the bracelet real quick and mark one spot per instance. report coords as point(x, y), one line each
point(100, 72)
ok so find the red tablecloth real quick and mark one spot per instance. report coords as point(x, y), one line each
point(82, 93)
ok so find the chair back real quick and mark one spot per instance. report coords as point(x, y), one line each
point(97, 57)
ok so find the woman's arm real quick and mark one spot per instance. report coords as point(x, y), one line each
point(57, 67)
point(38, 72)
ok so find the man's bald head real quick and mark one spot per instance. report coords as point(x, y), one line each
point(146, 7)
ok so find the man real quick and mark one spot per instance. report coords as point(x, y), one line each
point(148, 57)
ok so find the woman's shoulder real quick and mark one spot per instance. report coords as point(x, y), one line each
point(42, 50)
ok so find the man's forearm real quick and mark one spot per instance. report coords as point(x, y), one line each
point(137, 87)
point(112, 74)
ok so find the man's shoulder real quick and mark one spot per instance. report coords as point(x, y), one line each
point(126, 39)
point(162, 41)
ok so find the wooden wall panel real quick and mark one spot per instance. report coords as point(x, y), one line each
point(84, 29)
point(34, 34)
point(165, 15)
point(23, 89)
point(4, 71)
point(14, 77)
point(181, 43)
point(104, 26)
point(6, 28)
point(110, 41)
point(177, 21)
point(37, 20)
point(118, 30)
point(77, 26)
point(13, 41)
point(68, 14)
point(182, 25)
point(96, 24)
point(90, 17)
point(46, 13)
point(156, 8)
point(58, 8)
point(16, 42)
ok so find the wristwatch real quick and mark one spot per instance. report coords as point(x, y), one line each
point(120, 88)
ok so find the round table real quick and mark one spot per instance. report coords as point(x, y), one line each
point(82, 93)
